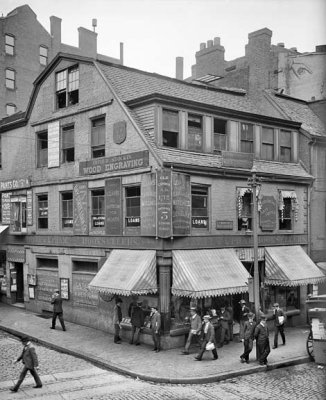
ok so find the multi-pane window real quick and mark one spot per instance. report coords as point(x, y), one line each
point(246, 138)
point(285, 215)
point(219, 134)
point(42, 149)
point(267, 144)
point(67, 87)
point(10, 79)
point(244, 210)
point(68, 143)
point(199, 207)
point(98, 137)
point(10, 44)
point(98, 208)
point(67, 210)
point(132, 196)
point(285, 146)
point(10, 109)
point(43, 55)
point(170, 128)
point(42, 211)
point(195, 132)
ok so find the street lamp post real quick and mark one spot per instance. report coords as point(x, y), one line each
point(255, 184)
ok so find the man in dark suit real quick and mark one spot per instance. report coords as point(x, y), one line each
point(156, 328)
point(56, 300)
point(137, 322)
point(262, 340)
point(208, 333)
point(278, 316)
point(30, 361)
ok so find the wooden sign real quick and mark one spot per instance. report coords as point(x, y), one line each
point(119, 132)
point(113, 206)
point(164, 203)
point(148, 205)
point(80, 209)
point(181, 204)
point(224, 225)
point(29, 207)
point(54, 144)
point(268, 213)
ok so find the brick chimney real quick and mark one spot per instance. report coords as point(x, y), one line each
point(258, 53)
point(87, 42)
point(210, 59)
point(55, 30)
point(179, 68)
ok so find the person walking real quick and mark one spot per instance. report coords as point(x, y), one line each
point(262, 340)
point(229, 308)
point(156, 328)
point(208, 342)
point(137, 322)
point(244, 310)
point(117, 318)
point(56, 300)
point(195, 329)
point(224, 319)
point(248, 332)
point(279, 319)
point(30, 361)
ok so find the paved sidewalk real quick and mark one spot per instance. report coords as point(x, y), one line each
point(167, 366)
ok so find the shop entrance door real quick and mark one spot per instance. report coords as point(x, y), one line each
point(20, 282)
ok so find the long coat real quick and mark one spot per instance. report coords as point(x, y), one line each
point(29, 357)
point(137, 317)
point(57, 304)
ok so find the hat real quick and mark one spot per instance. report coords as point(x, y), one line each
point(193, 308)
point(154, 307)
point(242, 301)
point(275, 305)
point(207, 317)
point(57, 291)
point(251, 315)
point(24, 339)
point(118, 300)
point(263, 316)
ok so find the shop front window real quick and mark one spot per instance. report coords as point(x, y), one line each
point(18, 214)
point(288, 297)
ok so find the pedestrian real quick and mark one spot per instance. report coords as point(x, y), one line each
point(56, 300)
point(229, 308)
point(262, 340)
point(279, 319)
point(224, 319)
point(156, 328)
point(195, 329)
point(137, 322)
point(30, 361)
point(117, 318)
point(208, 342)
point(249, 331)
point(244, 310)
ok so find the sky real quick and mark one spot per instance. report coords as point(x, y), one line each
point(155, 32)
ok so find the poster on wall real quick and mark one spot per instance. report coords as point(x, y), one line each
point(31, 292)
point(113, 206)
point(64, 288)
point(148, 205)
point(80, 209)
point(5, 206)
point(181, 204)
point(164, 203)
point(13, 281)
point(29, 207)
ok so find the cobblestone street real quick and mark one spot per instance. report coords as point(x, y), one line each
point(66, 377)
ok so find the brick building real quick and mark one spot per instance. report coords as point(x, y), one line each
point(120, 182)
point(26, 48)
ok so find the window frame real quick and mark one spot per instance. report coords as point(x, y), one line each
point(220, 135)
point(197, 131)
point(13, 106)
point(99, 195)
point(42, 152)
point(132, 220)
point(98, 150)
point(245, 221)
point(283, 146)
point(170, 136)
point(10, 79)
point(246, 138)
point(9, 45)
point(283, 221)
point(63, 89)
point(42, 219)
point(265, 144)
point(67, 205)
point(18, 221)
point(67, 153)
point(42, 56)
point(200, 221)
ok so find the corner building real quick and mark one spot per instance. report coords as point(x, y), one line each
point(119, 182)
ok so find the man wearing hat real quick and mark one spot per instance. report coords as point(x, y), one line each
point(249, 331)
point(195, 329)
point(30, 361)
point(137, 322)
point(262, 340)
point(156, 328)
point(278, 316)
point(208, 339)
point(244, 310)
point(56, 300)
point(117, 318)
point(224, 319)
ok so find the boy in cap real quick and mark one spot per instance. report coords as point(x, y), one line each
point(278, 316)
point(262, 340)
point(195, 329)
point(249, 331)
point(30, 361)
point(244, 310)
point(208, 338)
point(117, 318)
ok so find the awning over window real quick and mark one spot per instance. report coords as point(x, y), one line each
point(290, 266)
point(3, 228)
point(127, 272)
point(205, 273)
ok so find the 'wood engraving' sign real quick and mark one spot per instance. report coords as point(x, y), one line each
point(80, 209)
point(268, 213)
point(181, 204)
point(164, 203)
point(148, 205)
point(113, 224)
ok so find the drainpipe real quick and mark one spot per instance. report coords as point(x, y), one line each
point(310, 189)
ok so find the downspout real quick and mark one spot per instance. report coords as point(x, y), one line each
point(310, 189)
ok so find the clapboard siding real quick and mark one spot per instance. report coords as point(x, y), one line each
point(146, 116)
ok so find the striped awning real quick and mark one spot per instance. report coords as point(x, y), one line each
point(127, 272)
point(290, 266)
point(209, 272)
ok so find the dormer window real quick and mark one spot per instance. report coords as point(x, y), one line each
point(219, 135)
point(67, 87)
point(195, 132)
point(170, 131)
point(247, 138)
point(285, 146)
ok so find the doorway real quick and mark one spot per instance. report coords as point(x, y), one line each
point(19, 267)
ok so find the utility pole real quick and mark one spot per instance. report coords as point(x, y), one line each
point(255, 184)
